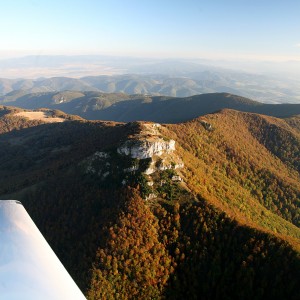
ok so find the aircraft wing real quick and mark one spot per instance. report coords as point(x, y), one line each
point(29, 269)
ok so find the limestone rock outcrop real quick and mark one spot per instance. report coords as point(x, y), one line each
point(143, 149)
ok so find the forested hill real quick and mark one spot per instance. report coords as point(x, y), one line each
point(207, 209)
point(126, 108)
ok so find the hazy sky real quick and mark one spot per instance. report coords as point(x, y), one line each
point(167, 28)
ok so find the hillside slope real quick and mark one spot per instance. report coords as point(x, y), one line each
point(205, 209)
point(237, 163)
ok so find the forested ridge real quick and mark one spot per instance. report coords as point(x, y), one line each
point(229, 230)
point(93, 105)
point(231, 165)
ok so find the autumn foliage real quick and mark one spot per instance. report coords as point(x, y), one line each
point(230, 230)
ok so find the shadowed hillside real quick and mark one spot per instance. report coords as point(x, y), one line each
point(126, 108)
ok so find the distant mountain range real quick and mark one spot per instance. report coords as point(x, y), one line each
point(125, 108)
point(180, 80)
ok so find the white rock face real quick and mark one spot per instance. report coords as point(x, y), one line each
point(29, 268)
point(147, 148)
point(169, 167)
point(150, 171)
point(151, 196)
point(131, 169)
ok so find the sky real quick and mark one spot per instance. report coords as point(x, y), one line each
point(218, 29)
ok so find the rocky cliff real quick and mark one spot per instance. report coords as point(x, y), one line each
point(146, 154)
point(147, 148)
